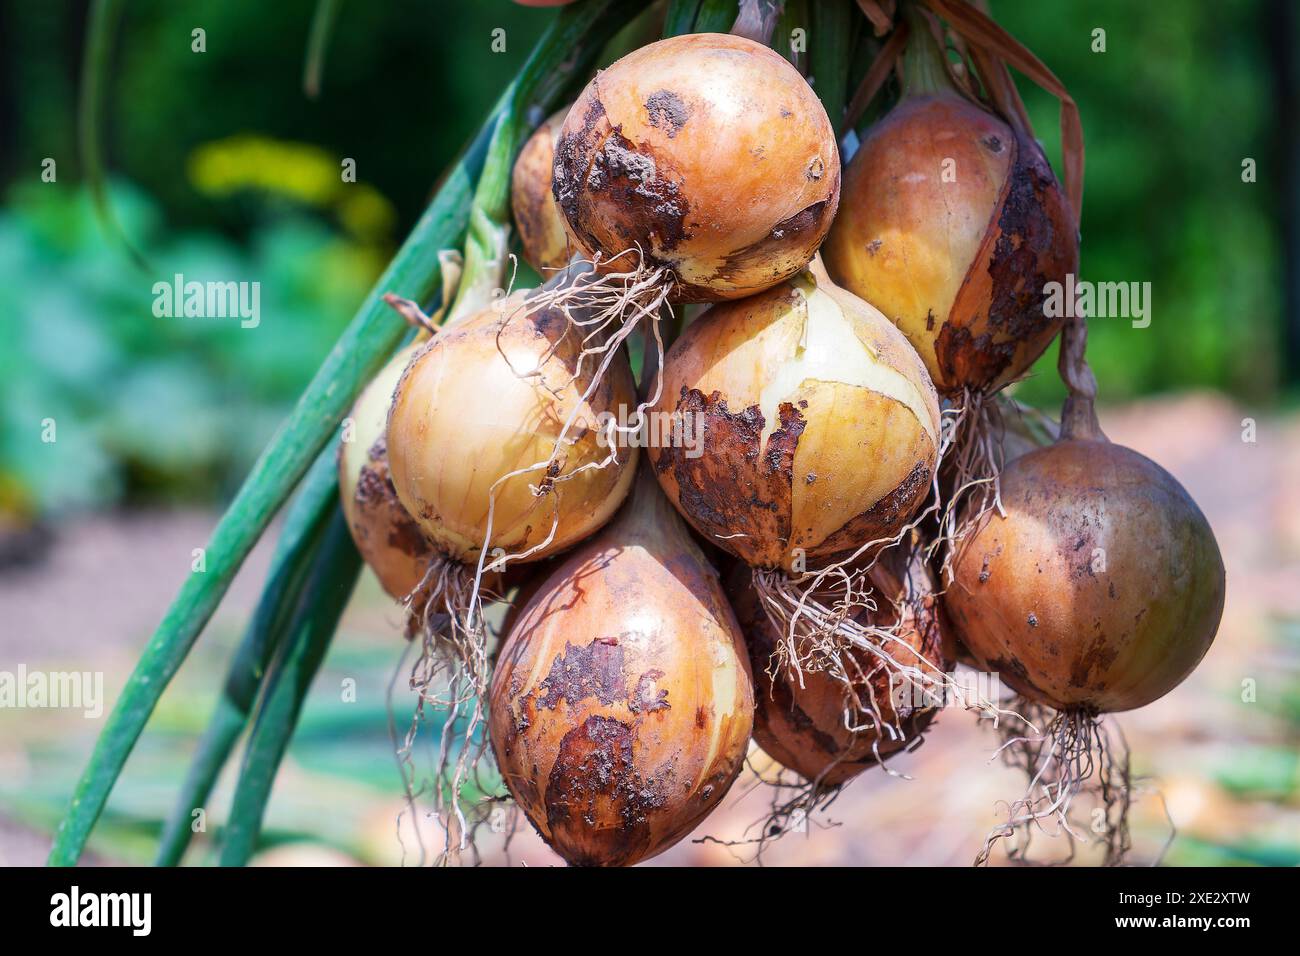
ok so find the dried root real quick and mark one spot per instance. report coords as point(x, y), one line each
point(971, 459)
point(1079, 755)
point(450, 675)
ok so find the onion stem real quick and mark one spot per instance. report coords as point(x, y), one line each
point(925, 70)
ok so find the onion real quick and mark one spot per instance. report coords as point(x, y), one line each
point(819, 425)
point(1102, 587)
point(829, 730)
point(622, 704)
point(1099, 589)
point(959, 263)
point(391, 543)
point(711, 154)
point(473, 429)
point(541, 226)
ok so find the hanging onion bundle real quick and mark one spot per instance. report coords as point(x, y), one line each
point(952, 224)
point(805, 435)
point(537, 217)
point(1099, 591)
point(828, 729)
point(622, 704)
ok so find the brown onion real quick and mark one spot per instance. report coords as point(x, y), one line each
point(819, 425)
point(621, 705)
point(488, 398)
point(390, 542)
point(825, 729)
point(538, 218)
point(711, 154)
point(1102, 587)
point(951, 223)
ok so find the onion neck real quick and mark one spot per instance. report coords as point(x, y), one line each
point(757, 19)
point(487, 237)
point(924, 65)
point(1079, 413)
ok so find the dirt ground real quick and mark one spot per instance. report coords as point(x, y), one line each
point(1220, 762)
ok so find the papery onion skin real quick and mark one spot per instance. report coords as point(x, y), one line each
point(1073, 627)
point(538, 218)
point(959, 266)
point(622, 703)
point(842, 462)
point(389, 540)
point(463, 417)
point(711, 153)
point(803, 725)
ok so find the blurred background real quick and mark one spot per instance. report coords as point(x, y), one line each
point(220, 167)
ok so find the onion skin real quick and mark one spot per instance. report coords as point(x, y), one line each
point(959, 266)
point(622, 703)
point(1028, 601)
point(847, 464)
point(459, 393)
point(711, 153)
point(540, 222)
point(803, 727)
point(389, 540)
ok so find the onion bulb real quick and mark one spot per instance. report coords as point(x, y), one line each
point(621, 704)
point(473, 431)
point(708, 152)
point(1097, 589)
point(541, 226)
point(1102, 587)
point(390, 542)
point(951, 223)
point(817, 425)
point(829, 730)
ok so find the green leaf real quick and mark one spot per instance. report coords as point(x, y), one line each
point(680, 18)
point(716, 16)
point(315, 619)
point(299, 549)
point(829, 51)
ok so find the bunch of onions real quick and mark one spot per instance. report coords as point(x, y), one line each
point(829, 730)
point(621, 703)
point(806, 435)
point(952, 223)
point(536, 214)
point(1099, 591)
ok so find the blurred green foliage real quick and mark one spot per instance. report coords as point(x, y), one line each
point(149, 407)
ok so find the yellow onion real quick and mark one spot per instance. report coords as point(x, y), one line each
point(829, 731)
point(951, 223)
point(490, 397)
point(389, 540)
point(1102, 587)
point(819, 425)
point(621, 705)
point(538, 218)
point(711, 154)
